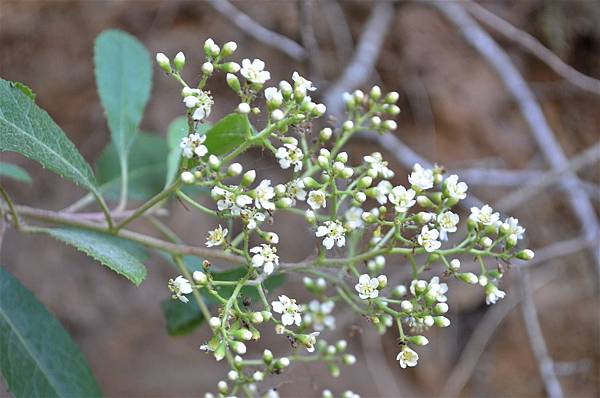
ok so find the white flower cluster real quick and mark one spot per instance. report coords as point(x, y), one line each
point(358, 211)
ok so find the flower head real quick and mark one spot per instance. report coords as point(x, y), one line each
point(493, 294)
point(367, 287)
point(421, 178)
point(447, 222)
point(216, 237)
point(437, 290)
point(317, 199)
point(334, 233)
point(484, 216)
point(289, 310)
point(511, 227)
point(295, 189)
point(319, 315)
point(354, 218)
point(407, 357)
point(429, 239)
point(302, 83)
point(402, 198)
point(180, 286)
point(382, 190)
point(288, 155)
point(193, 145)
point(378, 165)
point(263, 195)
point(254, 71)
point(265, 256)
point(455, 189)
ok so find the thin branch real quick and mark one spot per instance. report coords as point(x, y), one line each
point(339, 28)
point(531, 111)
point(367, 52)
point(259, 32)
point(497, 177)
point(309, 40)
point(532, 45)
point(536, 338)
point(515, 199)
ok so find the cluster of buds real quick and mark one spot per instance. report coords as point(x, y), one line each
point(344, 204)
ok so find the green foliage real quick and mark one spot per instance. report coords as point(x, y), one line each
point(38, 358)
point(124, 79)
point(15, 172)
point(147, 168)
point(183, 318)
point(228, 133)
point(124, 257)
point(27, 129)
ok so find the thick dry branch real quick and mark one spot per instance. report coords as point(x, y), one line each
point(259, 32)
point(531, 111)
point(309, 39)
point(340, 31)
point(536, 48)
point(363, 61)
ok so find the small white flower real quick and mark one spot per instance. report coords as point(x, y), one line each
point(273, 95)
point(310, 341)
point(354, 218)
point(455, 189)
point(180, 286)
point(252, 217)
point(512, 227)
point(377, 164)
point(317, 199)
point(493, 294)
point(334, 233)
point(437, 290)
point(254, 71)
point(484, 216)
point(302, 83)
point(407, 357)
point(421, 178)
point(447, 222)
point(263, 195)
point(367, 287)
point(382, 191)
point(320, 315)
point(265, 256)
point(289, 310)
point(216, 237)
point(193, 145)
point(191, 101)
point(402, 198)
point(295, 189)
point(228, 200)
point(288, 155)
point(429, 239)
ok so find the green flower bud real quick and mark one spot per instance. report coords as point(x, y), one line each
point(219, 353)
point(441, 321)
point(241, 334)
point(334, 370)
point(349, 359)
point(526, 255)
point(424, 202)
point(341, 346)
point(440, 308)
point(230, 67)
point(375, 93)
point(468, 277)
point(233, 82)
point(187, 177)
point(163, 61)
point(365, 182)
point(325, 134)
point(392, 97)
point(310, 183)
point(179, 61)
point(418, 340)
point(267, 357)
point(222, 387)
point(228, 48)
point(248, 178)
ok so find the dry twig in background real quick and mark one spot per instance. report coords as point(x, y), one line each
point(532, 45)
point(259, 32)
point(532, 113)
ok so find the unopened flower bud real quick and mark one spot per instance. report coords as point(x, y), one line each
point(406, 306)
point(320, 110)
point(483, 280)
point(365, 182)
point(277, 115)
point(360, 197)
point(348, 172)
point(179, 61)
point(258, 376)
point(267, 356)
point(232, 375)
point(284, 203)
point(242, 334)
point(200, 277)
point(228, 48)
point(393, 110)
point(233, 82)
point(423, 217)
point(382, 281)
point(418, 340)
point(526, 254)
point(234, 169)
point(440, 308)
point(348, 125)
point(325, 134)
point(310, 217)
point(375, 93)
point(214, 322)
point(468, 277)
point(163, 61)
point(248, 178)
point(243, 108)
point(222, 387)
point(441, 321)
point(486, 242)
point(390, 125)
point(214, 162)
point(399, 291)
point(187, 177)
point(341, 345)
point(392, 97)
point(208, 45)
point(455, 264)
point(424, 202)
point(239, 347)
point(230, 67)
point(349, 359)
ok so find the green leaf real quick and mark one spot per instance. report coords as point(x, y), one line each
point(38, 358)
point(27, 129)
point(124, 79)
point(175, 132)
point(183, 318)
point(147, 168)
point(228, 133)
point(15, 172)
point(124, 257)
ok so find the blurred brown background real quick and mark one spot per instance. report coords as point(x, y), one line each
point(455, 111)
